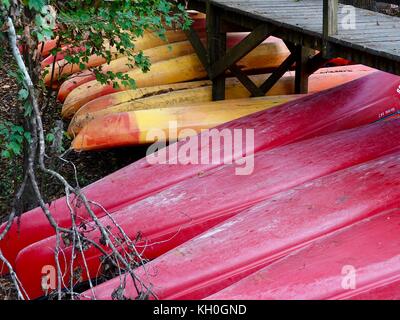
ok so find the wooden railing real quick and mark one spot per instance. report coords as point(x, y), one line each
point(330, 12)
point(330, 17)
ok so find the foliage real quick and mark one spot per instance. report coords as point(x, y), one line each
point(102, 28)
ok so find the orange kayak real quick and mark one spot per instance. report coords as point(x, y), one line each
point(133, 100)
point(186, 68)
point(137, 127)
point(63, 69)
point(123, 64)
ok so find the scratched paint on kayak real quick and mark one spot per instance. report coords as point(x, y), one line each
point(271, 230)
point(346, 106)
point(361, 261)
point(197, 204)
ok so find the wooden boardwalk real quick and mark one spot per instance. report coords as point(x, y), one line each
point(373, 40)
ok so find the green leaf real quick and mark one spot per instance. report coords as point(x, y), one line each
point(37, 5)
point(50, 137)
point(23, 94)
point(14, 147)
point(6, 154)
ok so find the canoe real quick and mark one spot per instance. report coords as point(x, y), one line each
point(271, 230)
point(125, 101)
point(198, 25)
point(359, 262)
point(122, 64)
point(323, 79)
point(63, 69)
point(346, 106)
point(197, 204)
point(143, 126)
point(186, 68)
point(45, 47)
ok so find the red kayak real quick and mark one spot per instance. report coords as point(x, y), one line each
point(197, 204)
point(350, 105)
point(359, 262)
point(271, 230)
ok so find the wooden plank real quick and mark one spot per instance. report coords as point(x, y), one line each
point(278, 73)
point(302, 72)
point(257, 36)
point(330, 18)
point(246, 81)
point(216, 49)
point(198, 46)
point(374, 42)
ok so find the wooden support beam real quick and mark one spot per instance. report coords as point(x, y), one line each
point(303, 56)
point(278, 73)
point(256, 37)
point(199, 48)
point(330, 18)
point(216, 43)
point(316, 62)
point(246, 81)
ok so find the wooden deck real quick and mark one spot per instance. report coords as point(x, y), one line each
point(375, 33)
point(374, 40)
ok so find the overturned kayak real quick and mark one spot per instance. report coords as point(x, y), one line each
point(268, 55)
point(346, 106)
point(324, 78)
point(150, 125)
point(268, 231)
point(197, 204)
point(123, 64)
point(62, 68)
point(141, 43)
point(358, 262)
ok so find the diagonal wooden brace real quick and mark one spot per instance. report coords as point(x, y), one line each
point(278, 73)
point(255, 38)
point(199, 48)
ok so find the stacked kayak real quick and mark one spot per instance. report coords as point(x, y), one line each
point(194, 205)
point(154, 124)
point(346, 106)
point(57, 68)
point(179, 69)
point(197, 92)
point(168, 51)
point(316, 171)
point(273, 229)
point(361, 261)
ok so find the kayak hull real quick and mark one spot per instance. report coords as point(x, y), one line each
point(197, 204)
point(268, 231)
point(360, 262)
point(268, 55)
point(138, 127)
point(311, 116)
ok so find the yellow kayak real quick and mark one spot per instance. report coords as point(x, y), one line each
point(138, 127)
point(133, 100)
point(186, 68)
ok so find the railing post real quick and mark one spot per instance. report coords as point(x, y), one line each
point(330, 18)
point(216, 48)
